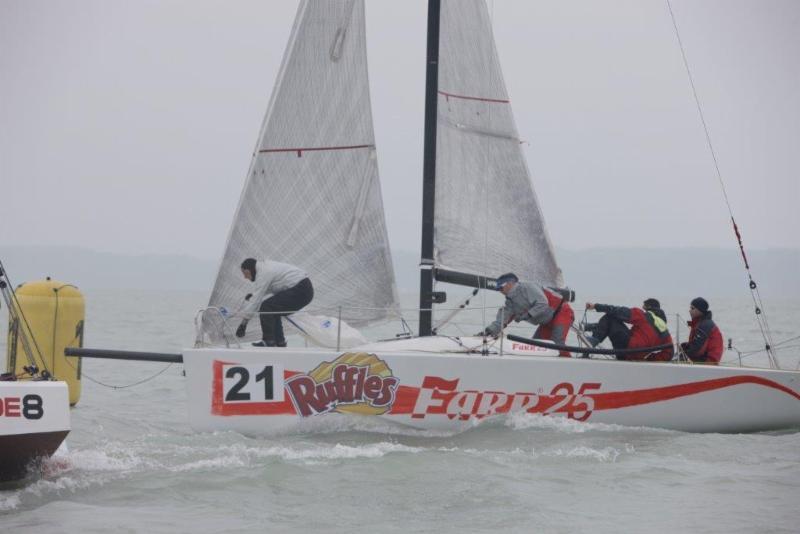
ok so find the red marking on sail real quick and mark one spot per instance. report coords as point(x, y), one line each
point(313, 149)
point(477, 98)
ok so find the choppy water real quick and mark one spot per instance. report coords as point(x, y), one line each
point(134, 465)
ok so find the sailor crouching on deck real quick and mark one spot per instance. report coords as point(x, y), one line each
point(290, 290)
point(529, 301)
point(705, 339)
point(648, 329)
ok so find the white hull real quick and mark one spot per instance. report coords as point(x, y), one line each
point(34, 420)
point(269, 391)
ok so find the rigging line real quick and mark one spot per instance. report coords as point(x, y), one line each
point(487, 165)
point(760, 317)
point(461, 307)
point(780, 343)
point(112, 386)
point(18, 311)
point(759, 351)
point(699, 109)
point(16, 332)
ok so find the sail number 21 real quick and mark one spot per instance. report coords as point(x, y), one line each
point(252, 383)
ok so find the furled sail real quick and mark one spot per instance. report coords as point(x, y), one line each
point(312, 196)
point(487, 218)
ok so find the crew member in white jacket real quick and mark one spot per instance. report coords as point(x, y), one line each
point(279, 289)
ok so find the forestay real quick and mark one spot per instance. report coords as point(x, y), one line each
point(312, 196)
point(487, 217)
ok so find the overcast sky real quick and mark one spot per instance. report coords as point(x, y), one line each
point(128, 126)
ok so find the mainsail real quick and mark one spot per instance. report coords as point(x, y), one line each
point(312, 196)
point(487, 219)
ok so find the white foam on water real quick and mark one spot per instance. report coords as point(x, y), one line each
point(527, 421)
point(114, 459)
point(71, 471)
point(221, 462)
point(339, 423)
point(43, 488)
point(605, 454)
point(342, 452)
point(10, 502)
point(240, 455)
point(80, 470)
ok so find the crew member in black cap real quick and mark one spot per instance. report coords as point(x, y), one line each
point(705, 339)
point(528, 301)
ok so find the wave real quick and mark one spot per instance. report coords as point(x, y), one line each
point(526, 421)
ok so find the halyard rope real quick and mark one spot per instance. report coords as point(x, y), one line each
point(761, 317)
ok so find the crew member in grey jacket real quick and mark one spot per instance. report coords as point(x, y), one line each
point(528, 301)
point(279, 289)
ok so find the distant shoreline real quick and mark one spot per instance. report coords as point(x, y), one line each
point(608, 271)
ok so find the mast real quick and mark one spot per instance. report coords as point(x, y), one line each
point(429, 170)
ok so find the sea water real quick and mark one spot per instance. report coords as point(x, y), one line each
point(133, 464)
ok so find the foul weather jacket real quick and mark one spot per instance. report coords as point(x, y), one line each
point(528, 301)
point(705, 340)
point(647, 330)
point(271, 277)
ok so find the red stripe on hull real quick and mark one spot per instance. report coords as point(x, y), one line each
point(624, 399)
point(406, 396)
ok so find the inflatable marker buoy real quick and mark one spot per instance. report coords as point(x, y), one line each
point(52, 316)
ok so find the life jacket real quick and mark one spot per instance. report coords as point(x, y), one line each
point(712, 348)
point(658, 324)
point(562, 311)
point(649, 330)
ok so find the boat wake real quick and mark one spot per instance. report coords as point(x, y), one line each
point(528, 421)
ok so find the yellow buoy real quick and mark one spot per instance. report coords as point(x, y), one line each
point(52, 318)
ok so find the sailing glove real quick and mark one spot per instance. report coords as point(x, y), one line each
point(242, 330)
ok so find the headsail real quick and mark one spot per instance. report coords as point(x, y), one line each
point(312, 196)
point(487, 218)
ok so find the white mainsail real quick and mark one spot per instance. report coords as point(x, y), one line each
point(312, 196)
point(487, 218)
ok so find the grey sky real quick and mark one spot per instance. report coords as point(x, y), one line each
point(128, 126)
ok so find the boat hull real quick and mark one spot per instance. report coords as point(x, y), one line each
point(270, 391)
point(34, 420)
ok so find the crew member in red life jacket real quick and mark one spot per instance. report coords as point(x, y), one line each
point(648, 329)
point(528, 301)
point(705, 339)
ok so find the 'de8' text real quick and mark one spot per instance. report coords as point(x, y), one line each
point(30, 407)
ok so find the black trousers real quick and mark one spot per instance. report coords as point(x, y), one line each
point(287, 301)
point(614, 329)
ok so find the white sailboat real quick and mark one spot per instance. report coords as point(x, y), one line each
point(312, 198)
